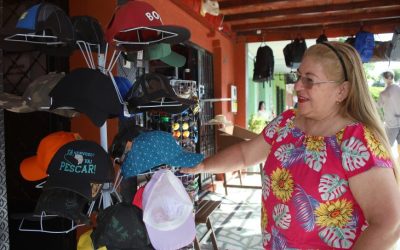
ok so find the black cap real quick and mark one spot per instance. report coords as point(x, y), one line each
point(64, 203)
point(121, 226)
point(126, 134)
point(77, 166)
point(88, 29)
point(52, 29)
point(322, 38)
point(152, 89)
point(89, 91)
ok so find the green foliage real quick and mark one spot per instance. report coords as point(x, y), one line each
point(369, 68)
point(375, 92)
point(257, 123)
point(396, 74)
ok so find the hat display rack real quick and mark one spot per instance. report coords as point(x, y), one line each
point(37, 27)
point(123, 39)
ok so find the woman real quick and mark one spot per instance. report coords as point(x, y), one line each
point(329, 177)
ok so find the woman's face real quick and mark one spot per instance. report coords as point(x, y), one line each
point(316, 91)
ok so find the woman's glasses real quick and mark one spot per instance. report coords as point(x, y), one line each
point(307, 82)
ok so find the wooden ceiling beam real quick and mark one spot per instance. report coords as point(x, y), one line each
point(312, 9)
point(312, 32)
point(319, 19)
point(224, 5)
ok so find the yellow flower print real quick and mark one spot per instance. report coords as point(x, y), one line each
point(339, 136)
point(282, 184)
point(374, 145)
point(264, 219)
point(334, 213)
point(315, 143)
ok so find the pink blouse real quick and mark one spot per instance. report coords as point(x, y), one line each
point(307, 202)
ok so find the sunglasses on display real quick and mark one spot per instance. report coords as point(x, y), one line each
point(307, 82)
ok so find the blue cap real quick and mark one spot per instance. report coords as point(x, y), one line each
point(124, 85)
point(28, 19)
point(155, 148)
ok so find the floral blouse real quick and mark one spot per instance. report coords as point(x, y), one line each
point(307, 202)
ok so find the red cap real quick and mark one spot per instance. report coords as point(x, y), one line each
point(34, 168)
point(139, 22)
point(137, 199)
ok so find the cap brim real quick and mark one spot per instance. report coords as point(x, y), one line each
point(96, 117)
point(9, 101)
point(186, 159)
point(30, 169)
point(77, 186)
point(216, 122)
point(11, 46)
point(63, 203)
point(174, 59)
point(181, 35)
point(63, 112)
point(173, 239)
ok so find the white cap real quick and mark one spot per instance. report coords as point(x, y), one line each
point(210, 7)
point(168, 212)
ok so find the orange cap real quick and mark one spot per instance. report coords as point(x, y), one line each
point(34, 168)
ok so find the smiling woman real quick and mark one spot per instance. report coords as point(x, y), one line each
point(329, 177)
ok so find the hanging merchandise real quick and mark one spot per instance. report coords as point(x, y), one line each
point(48, 27)
point(35, 168)
point(121, 227)
point(393, 52)
point(123, 85)
point(293, 52)
point(351, 40)
point(263, 64)
point(119, 144)
point(209, 6)
point(64, 203)
point(155, 148)
point(89, 30)
point(136, 23)
point(365, 44)
point(160, 51)
point(153, 92)
point(221, 121)
point(184, 129)
point(80, 166)
point(168, 212)
point(35, 97)
point(85, 242)
point(184, 88)
point(322, 38)
point(89, 91)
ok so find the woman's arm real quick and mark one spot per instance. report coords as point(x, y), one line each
point(378, 195)
point(238, 156)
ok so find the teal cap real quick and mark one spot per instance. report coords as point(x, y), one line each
point(163, 52)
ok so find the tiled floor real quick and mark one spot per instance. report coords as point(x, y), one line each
point(237, 221)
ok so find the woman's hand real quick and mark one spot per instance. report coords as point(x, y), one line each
point(194, 170)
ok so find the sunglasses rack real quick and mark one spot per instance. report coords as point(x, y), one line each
point(183, 127)
point(184, 88)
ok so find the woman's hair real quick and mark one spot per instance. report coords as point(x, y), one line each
point(260, 103)
point(358, 105)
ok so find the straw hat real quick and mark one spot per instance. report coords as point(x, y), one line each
point(220, 120)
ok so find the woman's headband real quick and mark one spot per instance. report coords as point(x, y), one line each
point(340, 59)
